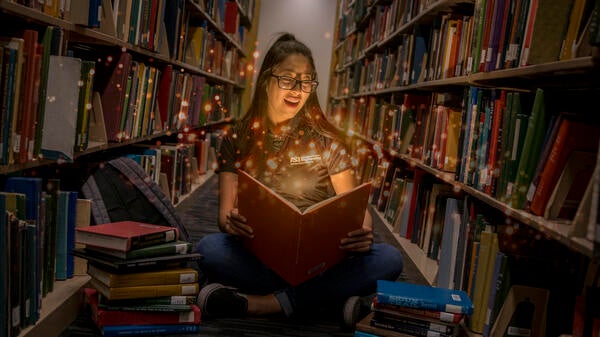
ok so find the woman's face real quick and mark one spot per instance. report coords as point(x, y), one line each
point(284, 104)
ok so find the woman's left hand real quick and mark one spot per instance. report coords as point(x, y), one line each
point(358, 241)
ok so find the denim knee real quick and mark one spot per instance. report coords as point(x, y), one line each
point(390, 260)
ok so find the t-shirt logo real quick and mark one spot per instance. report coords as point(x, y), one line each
point(304, 160)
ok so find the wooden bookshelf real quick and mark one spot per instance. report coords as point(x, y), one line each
point(373, 53)
point(60, 307)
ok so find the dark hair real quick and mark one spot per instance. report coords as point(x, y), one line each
point(285, 45)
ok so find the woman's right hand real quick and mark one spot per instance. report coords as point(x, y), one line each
point(235, 224)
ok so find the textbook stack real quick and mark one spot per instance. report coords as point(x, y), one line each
point(141, 283)
point(403, 309)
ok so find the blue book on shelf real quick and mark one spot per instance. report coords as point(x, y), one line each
point(149, 330)
point(32, 188)
point(71, 217)
point(423, 297)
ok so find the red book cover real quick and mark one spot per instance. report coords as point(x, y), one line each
point(104, 317)
point(125, 235)
point(572, 135)
point(152, 25)
point(307, 242)
point(113, 95)
point(495, 139)
point(526, 41)
point(164, 96)
point(443, 316)
point(27, 126)
point(231, 17)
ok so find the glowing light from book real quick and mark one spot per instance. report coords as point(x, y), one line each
point(208, 107)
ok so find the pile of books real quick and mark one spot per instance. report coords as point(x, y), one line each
point(141, 279)
point(402, 309)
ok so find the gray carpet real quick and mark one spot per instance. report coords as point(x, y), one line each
point(198, 212)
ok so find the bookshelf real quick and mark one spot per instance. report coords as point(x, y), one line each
point(387, 54)
point(156, 42)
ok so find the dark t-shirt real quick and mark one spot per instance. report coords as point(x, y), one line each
point(296, 166)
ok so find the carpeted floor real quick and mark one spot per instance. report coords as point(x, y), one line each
point(198, 212)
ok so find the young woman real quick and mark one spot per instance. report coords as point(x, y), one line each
point(283, 123)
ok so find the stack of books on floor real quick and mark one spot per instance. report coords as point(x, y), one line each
point(142, 281)
point(402, 309)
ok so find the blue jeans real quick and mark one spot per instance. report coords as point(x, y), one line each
point(228, 262)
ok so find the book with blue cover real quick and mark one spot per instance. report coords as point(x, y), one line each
point(424, 297)
point(149, 330)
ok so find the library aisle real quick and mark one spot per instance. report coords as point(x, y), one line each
point(198, 212)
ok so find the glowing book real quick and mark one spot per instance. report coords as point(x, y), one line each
point(299, 245)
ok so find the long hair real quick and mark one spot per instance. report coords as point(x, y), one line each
point(311, 113)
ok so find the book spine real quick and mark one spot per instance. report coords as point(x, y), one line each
point(416, 303)
point(149, 330)
point(111, 317)
point(406, 328)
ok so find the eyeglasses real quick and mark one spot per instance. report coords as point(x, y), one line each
point(289, 83)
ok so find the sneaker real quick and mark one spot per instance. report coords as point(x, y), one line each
point(355, 309)
point(219, 301)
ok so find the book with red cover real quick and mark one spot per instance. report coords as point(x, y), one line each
point(113, 95)
point(396, 310)
point(231, 17)
point(28, 99)
point(125, 235)
point(572, 135)
point(299, 245)
point(104, 317)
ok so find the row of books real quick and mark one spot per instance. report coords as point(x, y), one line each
point(142, 279)
point(93, 102)
point(150, 24)
point(489, 36)
point(402, 309)
point(527, 150)
point(176, 167)
point(227, 15)
point(38, 224)
point(470, 244)
point(39, 220)
point(205, 51)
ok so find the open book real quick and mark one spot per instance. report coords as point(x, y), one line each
point(299, 245)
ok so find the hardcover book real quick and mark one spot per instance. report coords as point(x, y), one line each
point(104, 317)
point(115, 264)
point(122, 293)
point(364, 328)
point(423, 297)
point(167, 248)
point(412, 327)
point(125, 235)
point(307, 242)
point(156, 277)
point(395, 310)
point(149, 330)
